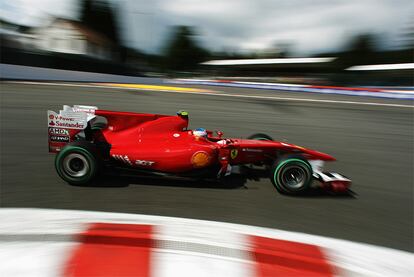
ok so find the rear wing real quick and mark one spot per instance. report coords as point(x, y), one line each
point(65, 125)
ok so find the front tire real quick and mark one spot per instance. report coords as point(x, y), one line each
point(78, 163)
point(291, 175)
point(260, 136)
point(263, 137)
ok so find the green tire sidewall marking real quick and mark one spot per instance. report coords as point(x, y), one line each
point(89, 156)
point(275, 174)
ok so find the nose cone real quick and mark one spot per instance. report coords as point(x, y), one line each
point(319, 155)
point(312, 153)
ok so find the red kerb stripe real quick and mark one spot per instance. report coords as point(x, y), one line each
point(108, 249)
point(275, 257)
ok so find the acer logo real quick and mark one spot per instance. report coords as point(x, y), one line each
point(144, 163)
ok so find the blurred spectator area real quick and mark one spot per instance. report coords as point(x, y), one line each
point(64, 44)
point(68, 36)
point(61, 36)
point(338, 69)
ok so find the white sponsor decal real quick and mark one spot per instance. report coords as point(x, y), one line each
point(122, 158)
point(252, 150)
point(86, 109)
point(60, 138)
point(144, 163)
point(75, 117)
point(89, 110)
point(67, 119)
point(125, 159)
point(58, 131)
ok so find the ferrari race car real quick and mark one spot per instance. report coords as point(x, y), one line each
point(88, 141)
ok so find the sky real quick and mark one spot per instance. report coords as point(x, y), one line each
point(308, 26)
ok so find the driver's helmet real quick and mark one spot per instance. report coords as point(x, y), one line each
point(200, 132)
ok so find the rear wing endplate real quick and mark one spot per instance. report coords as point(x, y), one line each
point(63, 126)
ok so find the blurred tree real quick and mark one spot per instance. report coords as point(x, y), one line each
point(362, 43)
point(281, 50)
point(407, 35)
point(182, 52)
point(99, 16)
point(361, 50)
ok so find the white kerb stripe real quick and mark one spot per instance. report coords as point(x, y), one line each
point(173, 263)
point(224, 256)
point(366, 261)
point(42, 259)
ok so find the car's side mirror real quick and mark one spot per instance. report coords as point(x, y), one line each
point(219, 134)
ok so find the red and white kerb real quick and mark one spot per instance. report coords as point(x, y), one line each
point(109, 249)
point(41, 242)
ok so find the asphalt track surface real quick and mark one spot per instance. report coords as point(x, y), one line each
point(373, 145)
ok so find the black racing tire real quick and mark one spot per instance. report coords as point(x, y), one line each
point(260, 136)
point(78, 163)
point(291, 175)
point(264, 137)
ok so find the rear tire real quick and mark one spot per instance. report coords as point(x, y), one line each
point(291, 175)
point(99, 123)
point(78, 163)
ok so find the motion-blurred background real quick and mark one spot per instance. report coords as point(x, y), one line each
point(192, 38)
point(319, 45)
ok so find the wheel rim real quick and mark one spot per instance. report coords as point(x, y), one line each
point(75, 165)
point(293, 176)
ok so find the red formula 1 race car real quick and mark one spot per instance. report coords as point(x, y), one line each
point(87, 140)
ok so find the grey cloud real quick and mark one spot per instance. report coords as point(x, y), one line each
point(311, 26)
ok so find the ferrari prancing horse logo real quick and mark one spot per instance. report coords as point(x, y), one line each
point(233, 153)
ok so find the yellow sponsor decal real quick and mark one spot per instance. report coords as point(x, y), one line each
point(155, 87)
point(234, 153)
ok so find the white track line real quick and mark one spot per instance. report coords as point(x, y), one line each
point(228, 95)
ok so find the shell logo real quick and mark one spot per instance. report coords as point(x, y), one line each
point(200, 159)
